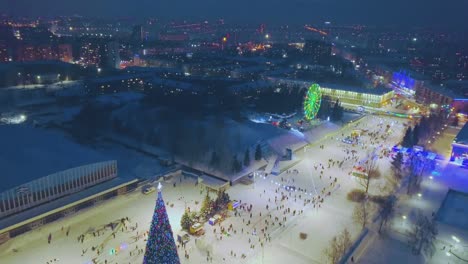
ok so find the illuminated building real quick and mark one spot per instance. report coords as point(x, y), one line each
point(460, 145)
point(32, 52)
point(89, 53)
point(46, 52)
point(65, 52)
point(375, 97)
point(26, 53)
point(353, 95)
point(433, 96)
point(118, 83)
point(100, 53)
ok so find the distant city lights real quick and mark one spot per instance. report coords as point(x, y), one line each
point(13, 119)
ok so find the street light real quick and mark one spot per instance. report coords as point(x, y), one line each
point(456, 239)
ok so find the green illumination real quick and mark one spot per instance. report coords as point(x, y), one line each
point(312, 101)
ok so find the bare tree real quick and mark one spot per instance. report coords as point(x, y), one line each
point(372, 172)
point(361, 213)
point(423, 235)
point(416, 169)
point(332, 252)
point(346, 242)
point(387, 207)
point(338, 247)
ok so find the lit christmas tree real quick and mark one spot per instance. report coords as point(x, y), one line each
point(160, 247)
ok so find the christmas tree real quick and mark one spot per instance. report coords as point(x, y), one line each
point(160, 247)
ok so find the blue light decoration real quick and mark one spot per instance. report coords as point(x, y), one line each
point(160, 247)
point(403, 79)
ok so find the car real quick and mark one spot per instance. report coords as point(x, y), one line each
point(149, 189)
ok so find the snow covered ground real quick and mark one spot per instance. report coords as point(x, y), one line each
point(276, 227)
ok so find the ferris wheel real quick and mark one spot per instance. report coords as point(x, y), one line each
point(312, 101)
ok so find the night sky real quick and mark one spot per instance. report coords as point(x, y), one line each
point(378, 12)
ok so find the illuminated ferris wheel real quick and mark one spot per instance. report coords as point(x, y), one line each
point(312, 101)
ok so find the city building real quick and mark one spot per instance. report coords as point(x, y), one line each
point(358, 96)
point(319, 52)
point(65, 52)
point(117, 83)
point(100, 53)
point(69, 178)
point(137, 33)
point(26, 53)
point(43, 52)
point(5, 53)
point(349, 96)
point(460, 145)
point(53, 186)
point(433, 96)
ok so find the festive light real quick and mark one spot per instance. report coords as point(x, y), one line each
point(160, 247)
point(312, 101)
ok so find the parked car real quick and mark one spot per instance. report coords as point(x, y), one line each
point(149, 189)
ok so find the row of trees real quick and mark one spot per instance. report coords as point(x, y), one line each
point(209, 207)
point(423, 234)
point(278, 99)
point(424, 130)
point(330, 109)
point(237, 165)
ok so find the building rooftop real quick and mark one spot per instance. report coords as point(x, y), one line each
point(357, 89)
point(454, 211)
point(442, 90)
point(462, 136)
point(30, 153)
point(29, 215)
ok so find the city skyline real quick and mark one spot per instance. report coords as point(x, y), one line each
point(394, 13)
